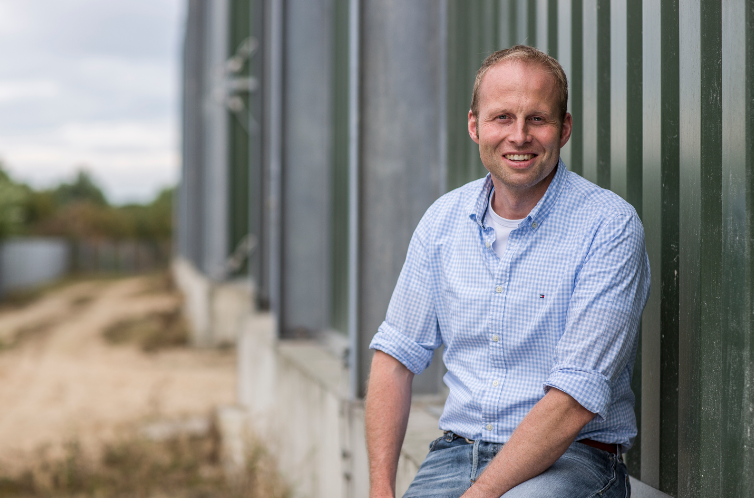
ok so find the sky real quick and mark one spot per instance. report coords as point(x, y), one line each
point(94, 85)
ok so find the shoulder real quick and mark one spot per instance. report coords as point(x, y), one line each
point(603, 218)
point(450, 209)
point(587, 201)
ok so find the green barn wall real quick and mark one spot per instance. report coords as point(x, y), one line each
point(661, 95)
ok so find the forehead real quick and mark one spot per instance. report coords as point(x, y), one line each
point(517, 82)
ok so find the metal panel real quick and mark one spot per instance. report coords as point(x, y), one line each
point(563, 23)
point(338, 320)
point(399, 147)
point(306, 185)
point(214, 181)
point(711, 334)
point(239, 133)
point(603, 94)
point(542, 26)
point(618, 97)
point(523, 31)
point(737, 440)
point(259, 257)
point(576, 144)
point(590, 84)
point(690, 254)
point(670, 260)
point(190, 198)
point(652, 105)
point(467, 47)
point(273, 146)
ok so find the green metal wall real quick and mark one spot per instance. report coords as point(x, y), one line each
point(661, 96)
point(246, 179)
point(238, 135)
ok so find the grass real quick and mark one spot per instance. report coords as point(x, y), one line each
point(152, 332)
point(181, 467)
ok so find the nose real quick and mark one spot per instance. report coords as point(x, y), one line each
point(520, 133)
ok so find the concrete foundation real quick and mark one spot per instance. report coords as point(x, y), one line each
point(214, 310)
point(295, 394)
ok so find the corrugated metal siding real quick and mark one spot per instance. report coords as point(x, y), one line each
point(661, 94)
point(662, 103)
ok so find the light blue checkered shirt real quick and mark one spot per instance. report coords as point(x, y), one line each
point(561, 308)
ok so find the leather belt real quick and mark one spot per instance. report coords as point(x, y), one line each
point(452, 436)
point(610, 448)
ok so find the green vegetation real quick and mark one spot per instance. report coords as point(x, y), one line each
point(79, 210)
point(151, 332)
point(182, 467)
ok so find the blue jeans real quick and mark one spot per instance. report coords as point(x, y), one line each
point(452, 466)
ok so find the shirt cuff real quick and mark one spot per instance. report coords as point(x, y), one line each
point(591, 389)
point(413, 355)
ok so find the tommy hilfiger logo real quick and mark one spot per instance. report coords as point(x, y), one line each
point(541, 296)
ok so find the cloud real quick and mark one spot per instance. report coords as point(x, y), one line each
point(95, 83)
point(118, 136)
point(13, 91)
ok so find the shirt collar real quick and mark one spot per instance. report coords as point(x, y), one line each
point(479, 204)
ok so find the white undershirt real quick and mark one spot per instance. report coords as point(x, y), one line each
point(503, 227)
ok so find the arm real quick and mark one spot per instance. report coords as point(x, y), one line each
point(387, 405)
point(538, 441)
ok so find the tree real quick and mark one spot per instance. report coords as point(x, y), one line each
point(12, 199)
point(83, 189)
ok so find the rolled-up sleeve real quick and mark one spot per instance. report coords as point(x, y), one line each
point(410, 332)
point(600, 336)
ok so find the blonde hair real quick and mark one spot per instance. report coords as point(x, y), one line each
point(526, 54)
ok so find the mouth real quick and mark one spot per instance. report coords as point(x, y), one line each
point(519, 157)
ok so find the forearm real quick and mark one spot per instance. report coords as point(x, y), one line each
point(387, 405)
point(539, 440)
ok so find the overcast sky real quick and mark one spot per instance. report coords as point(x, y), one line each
point(91, 84)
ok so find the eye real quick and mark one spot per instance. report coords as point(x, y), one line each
point(537, 118)
point(503, 116)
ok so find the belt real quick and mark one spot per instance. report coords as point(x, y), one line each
point(610, 448)
point(451, 436)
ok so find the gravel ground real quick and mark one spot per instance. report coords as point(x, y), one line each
point(61, 381)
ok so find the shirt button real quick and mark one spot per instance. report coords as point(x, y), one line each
point(534, 225)
point(495, 338)
point(489, 427)
point(495, 383)
point(499, 289)
point(487, 244)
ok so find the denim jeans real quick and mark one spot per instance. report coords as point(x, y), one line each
point(452, 465)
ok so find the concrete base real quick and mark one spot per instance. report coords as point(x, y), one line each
point(296, 397)
point(214, 310)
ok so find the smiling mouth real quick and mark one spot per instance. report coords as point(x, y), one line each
point(518, 157)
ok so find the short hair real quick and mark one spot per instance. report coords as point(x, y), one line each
point(526, 54)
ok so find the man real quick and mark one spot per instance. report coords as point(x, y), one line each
point(534, 280)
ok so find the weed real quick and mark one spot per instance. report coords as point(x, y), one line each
point(181, 467)
point(152, 332)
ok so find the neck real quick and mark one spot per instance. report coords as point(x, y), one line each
point(517, 203)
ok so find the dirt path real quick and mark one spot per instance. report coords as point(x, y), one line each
point(61, 381)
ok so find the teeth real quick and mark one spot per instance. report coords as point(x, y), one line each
point(519, 157)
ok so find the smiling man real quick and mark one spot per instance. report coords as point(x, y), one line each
point(534, 280)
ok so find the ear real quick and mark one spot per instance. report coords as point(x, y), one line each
point(473, 127)
point(565, 129)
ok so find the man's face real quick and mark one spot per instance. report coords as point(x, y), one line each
point(518, 126)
